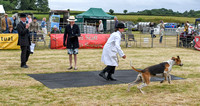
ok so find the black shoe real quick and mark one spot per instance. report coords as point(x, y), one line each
point(31, 52)
point(70, 68)
point(24, 66)
point(103, 75)
point(111, 78)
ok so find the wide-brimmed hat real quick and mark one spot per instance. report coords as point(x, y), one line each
point(22, 15)
point(5, 14)
point(71, 18)
point(120, 25)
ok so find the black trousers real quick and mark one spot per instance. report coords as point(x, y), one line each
point(25, 52)
point(109, 69)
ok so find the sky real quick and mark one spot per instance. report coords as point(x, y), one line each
point(120, 5)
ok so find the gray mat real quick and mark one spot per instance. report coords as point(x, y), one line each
point(90, 78)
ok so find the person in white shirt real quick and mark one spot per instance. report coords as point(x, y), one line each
point(110, 51)
point(100, 29)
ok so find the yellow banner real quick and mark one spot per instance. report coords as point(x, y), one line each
point(9, 41)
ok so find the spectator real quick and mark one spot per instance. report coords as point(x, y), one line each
point(23, 40)
point(186, 29)
point(72, 32)
point(44, 27)
point(29, 19)
point(100, 29)
point(55, 29)
point(34, 29)
point(15, 22)
point(162, 29)
point(5, 23)
point(11, 29)
point(110, 51)
point(116, 21)
point(151, 25)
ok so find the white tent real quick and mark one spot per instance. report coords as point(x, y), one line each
point(2, 9)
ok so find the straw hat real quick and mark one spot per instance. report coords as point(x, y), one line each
point(71, 18)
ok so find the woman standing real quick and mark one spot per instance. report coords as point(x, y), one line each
point(110, 50)
point(72, 33)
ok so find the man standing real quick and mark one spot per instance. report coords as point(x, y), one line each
point(34, 28)
point(5, 23)
point(162, 29)
point(110, 51)
point(23, 40)
point(72, 32)
point(116, 21)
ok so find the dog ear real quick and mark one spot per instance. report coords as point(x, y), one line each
point(173, 58)
point(178, 57)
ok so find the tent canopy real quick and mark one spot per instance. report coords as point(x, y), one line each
point(95, 13)
point(2, 9)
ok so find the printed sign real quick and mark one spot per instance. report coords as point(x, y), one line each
point(86, 41)
point(9, 41)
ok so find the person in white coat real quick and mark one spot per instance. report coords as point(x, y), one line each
point(110, 51)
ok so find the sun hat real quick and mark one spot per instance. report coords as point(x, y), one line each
point(71, 18)
point(120, 25)
point(5, 14)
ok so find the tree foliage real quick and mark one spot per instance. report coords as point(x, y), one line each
point(40, 5)
point(125, 11)
point(166, 12)
point(111, 11)
point(9, 4)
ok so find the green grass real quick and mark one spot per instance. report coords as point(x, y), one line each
point(17, 88)
point(156, 19)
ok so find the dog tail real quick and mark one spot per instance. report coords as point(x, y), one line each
point(134, 67)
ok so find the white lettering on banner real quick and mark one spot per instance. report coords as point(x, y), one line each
point(91, 37)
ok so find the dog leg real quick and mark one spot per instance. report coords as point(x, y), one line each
point(165, 75)
point(141, 86)
point(137, 81)
point(169, 78)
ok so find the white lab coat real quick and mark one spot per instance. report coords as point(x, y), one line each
point(111, 48)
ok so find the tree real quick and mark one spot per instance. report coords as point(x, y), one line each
point(9, 4)
point(125, 11)
point(111, 11)
point(27, 5)
point(42, 5)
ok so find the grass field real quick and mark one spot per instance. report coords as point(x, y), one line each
point(19, 89)
point(156, 19)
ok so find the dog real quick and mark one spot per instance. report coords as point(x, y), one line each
point(159, 70)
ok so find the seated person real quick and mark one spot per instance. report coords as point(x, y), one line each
point(55, 29)
point(10, 30)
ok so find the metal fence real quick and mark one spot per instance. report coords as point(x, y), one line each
point(145, 40)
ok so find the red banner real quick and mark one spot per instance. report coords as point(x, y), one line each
point(197, 42)
point(86, 41)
